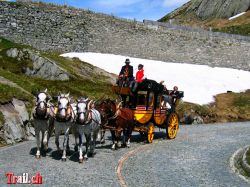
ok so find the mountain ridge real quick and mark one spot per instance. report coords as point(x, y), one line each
point(213, 15)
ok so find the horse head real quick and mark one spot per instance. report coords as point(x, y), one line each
point(42, 100)
point(64, 109)
point(81, 108)
point(107, 109)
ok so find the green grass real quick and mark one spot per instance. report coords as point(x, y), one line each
point(8, 92)
point(5, 44)
point(240, 29)
point(93, 86)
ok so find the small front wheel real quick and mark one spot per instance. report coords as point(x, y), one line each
point(172, 125)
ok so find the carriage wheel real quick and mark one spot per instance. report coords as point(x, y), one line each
point(172, 125)
point(151, 128)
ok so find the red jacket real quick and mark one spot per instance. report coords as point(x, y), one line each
point(139, 75)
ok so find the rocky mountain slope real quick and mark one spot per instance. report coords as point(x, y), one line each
point(215, 14)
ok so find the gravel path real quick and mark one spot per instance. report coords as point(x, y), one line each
point(199, 156)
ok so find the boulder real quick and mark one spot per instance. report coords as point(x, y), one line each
point(21, 109)
point(13, 52)
point(13, 124)
point(17, 126)
point(42, 66)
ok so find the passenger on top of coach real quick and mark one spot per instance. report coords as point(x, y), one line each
point(126, 74)
point(170, 97)
point(138, 79)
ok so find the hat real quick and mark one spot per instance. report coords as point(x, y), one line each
point(140, 65)
point(127, 61)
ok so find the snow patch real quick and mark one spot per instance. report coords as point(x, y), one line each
point(199, 82)
point(238, 15)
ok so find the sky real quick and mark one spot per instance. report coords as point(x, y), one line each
point(131, 9)
point(199, 82)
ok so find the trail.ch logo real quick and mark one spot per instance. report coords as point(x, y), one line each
point(24, 178)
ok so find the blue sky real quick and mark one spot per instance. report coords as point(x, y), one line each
point(138, 9)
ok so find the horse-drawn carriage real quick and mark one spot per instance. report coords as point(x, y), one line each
point(149, 110)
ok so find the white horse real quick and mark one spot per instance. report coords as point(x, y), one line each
point(64, 118)
point(88, 122)
point(43, 122)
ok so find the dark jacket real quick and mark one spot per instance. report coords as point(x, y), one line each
point(174, 94)
point(127, 71)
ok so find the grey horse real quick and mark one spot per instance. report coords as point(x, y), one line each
point(42, 120)
point(88, 122)
point(64, 119)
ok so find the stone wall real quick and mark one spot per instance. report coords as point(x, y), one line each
point(49, 27)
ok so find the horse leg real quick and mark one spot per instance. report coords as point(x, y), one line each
point(118, 137)
point(45, 140)
point(37, 133)
point(124, 138)
point(67, 147)
point(42, 145)
point(88, 139)
point(129, 133)
point(113, 140)
point(49, 132)
point(57, 133)
point(102, 131)
point(65, 144)
point(77, 143)
point(80, 148)
point(93, 142)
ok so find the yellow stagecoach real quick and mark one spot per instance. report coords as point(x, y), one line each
point(149, 111)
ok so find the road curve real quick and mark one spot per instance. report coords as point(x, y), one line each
point(199, 156)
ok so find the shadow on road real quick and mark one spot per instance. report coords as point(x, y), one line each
point(43, 153)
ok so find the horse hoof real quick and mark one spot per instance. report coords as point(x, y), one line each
point(81, 160)
point(92, 154)
point(76, 149)
point(64, 159)
point(85, 158)
point(102, 141)
point(38, 156)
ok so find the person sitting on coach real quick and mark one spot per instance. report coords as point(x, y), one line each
point(138, 79)
point(126, 74)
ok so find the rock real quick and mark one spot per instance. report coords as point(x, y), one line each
point(13, 24)
point(206, 9)
point(21, 109)
point(42, 67)
point(13, 124)
point(197, 120)
point(13, 52)
point(16, 127)
point(187, 119)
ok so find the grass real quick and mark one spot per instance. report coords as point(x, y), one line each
point(238, 29)
point(92, 85)
point(8, 92)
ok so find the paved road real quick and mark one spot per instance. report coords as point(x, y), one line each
point(199, 156)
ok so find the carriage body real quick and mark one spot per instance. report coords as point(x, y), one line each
point(147, 104)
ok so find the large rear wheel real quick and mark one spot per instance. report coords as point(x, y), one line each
point(172, 125)
point(151, 128)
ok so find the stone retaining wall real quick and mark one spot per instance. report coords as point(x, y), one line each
point(49, 27)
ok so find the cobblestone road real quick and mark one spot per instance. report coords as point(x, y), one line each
point(199, 156)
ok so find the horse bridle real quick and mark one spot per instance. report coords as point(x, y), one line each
point(85, 113)
point(45, 102)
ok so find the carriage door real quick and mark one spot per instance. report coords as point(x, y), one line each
point(144, 107)
point(160, 112)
